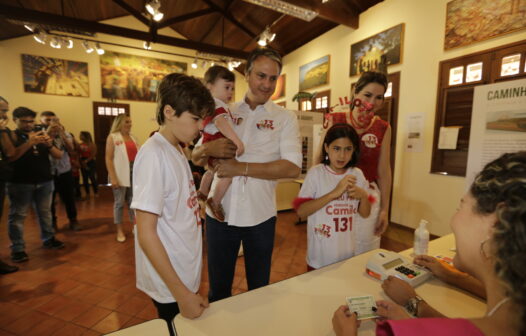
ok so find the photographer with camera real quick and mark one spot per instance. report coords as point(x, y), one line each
point(31, 182)
point(61, 169)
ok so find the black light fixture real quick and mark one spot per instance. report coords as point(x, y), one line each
point(152, 7)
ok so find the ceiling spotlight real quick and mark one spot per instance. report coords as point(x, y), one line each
point(68, 43)
point(266, 37)
point(55, 42)
point(147, 45)
point(230, 66)
point(87, 47)
point(100, 51)
point(212, 63)
point(40, 36)
point(204, 63)
point(30, 27)
point(152, 7)
point(194, 64)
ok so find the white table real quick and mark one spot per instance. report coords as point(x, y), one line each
point(304, 305)
point(155, 327)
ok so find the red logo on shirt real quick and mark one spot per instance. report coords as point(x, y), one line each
point(323, 230)
point(265, 124)
point(370, 140)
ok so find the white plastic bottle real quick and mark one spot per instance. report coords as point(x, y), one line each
point(421, 238)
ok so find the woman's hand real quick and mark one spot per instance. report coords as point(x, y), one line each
point(192, 305)
point(381, 223)
point(435, 266)
point(388, 310)
point(344, 322)
point(398, 290)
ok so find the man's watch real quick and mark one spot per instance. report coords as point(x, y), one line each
point(412, 305)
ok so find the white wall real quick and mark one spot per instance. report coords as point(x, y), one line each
point(416, 193)
point(76, 112)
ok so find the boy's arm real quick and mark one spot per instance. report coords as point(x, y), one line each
point(224, 127)
point(190, 304)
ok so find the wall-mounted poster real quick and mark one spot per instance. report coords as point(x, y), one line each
point(470, 21)
point(315, 73)
point(280, 88)
point(380, 50)
point(55, 76)
point(133, 77)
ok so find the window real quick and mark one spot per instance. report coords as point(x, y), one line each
point(457, 82)
point(320, 103)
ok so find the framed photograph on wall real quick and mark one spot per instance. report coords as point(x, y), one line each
point(55, 76)
point(315, 73)
point(279, 92)
point(383, 48)
point(470, 21)
point(132, 77)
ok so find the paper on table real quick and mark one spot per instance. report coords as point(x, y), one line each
point(448, 137)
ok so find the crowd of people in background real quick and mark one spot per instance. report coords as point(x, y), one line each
point(39, 163)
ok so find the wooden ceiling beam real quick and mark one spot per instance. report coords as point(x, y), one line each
point(230, 18)
point(185, 17)
point(37, 17)
point(138, 15)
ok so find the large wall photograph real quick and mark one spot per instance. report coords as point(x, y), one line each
point(315, 73)
point(470, 21)
point(385, 47)
point(55, 76)
point(131, 77)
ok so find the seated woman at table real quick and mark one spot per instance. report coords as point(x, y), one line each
point(402, 293)
point(490, 233)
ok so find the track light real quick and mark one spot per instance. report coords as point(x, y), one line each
point(55, 42)
point(194, 64)
point(40, 36)
point(152, 7)
point(30, 27)
point(266, 37)
point(68, 43)
point(87, 47)
point(147, 45)
point(100, 51)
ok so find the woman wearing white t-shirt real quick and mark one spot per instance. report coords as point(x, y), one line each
point(333, 192)
point(168, 244)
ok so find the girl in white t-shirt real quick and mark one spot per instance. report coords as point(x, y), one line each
point(332, 193)
point(168, 244)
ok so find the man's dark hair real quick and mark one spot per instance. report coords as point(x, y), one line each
point(267, 52)
point(183, 93)
point(21, 112)
point(4, 100)
point(47, 114)
point(218, 71)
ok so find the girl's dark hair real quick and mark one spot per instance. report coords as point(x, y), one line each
point(336, 132)
point(87, 136)
point(183, 93)
point(500, 188)
point(218, 71)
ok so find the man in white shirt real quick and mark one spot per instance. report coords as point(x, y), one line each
point(272, 151)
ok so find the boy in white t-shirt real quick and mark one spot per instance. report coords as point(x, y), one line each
point(168, 244)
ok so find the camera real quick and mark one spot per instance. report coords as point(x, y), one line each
point(39, 128)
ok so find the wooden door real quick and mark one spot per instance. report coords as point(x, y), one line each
point(103, 115)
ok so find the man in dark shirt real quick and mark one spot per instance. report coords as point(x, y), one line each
point(31, 183)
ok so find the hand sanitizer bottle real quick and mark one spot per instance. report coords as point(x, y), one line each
point(421, 238)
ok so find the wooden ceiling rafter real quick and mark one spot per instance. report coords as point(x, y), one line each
point(185, 17)
point(231, 18)
point(97, 27)
point(138, 15)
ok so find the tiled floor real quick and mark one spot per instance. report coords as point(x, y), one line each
point(88, 288)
